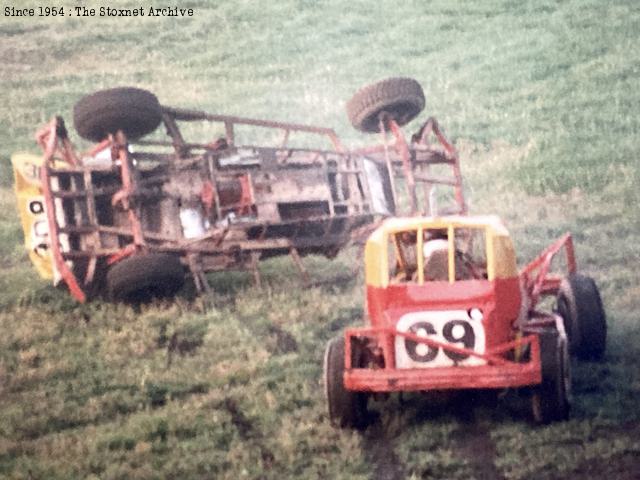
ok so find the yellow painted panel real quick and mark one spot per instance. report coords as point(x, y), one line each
point(376, 259)
point(31, 208)
point(505, 258)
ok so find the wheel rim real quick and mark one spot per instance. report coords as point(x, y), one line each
point(563, 310)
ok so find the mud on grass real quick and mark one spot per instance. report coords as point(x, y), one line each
point(240, 396)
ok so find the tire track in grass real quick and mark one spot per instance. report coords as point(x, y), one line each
point(474, 442)
point(623, 465)
point(248, 431)
point(379, 447)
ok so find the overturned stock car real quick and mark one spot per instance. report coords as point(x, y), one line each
point(139, 212)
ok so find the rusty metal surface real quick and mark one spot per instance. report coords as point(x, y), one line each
point(217, 205)
point(410, 160)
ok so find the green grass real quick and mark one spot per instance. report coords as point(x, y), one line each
point(541, 98)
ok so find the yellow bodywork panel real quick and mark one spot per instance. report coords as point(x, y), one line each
point(376, 258)
point(503, 258)
point(500, 254)
point(31, 206)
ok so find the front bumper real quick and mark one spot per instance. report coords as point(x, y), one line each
point(499, 371)
point(444, 378)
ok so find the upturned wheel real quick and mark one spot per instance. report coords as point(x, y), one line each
point(134, 111)
point(400, 99)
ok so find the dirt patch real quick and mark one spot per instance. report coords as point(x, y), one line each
point(625, 466)
point(476, 447)
point(282, 341)
point(238, 418)
point(248, 431)
point(379, 445)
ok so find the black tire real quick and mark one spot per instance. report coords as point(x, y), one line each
point(134, 111)
point(140, 278)
point(347, 409)
point(580, 305)
point(402, 99)
point(551, 400)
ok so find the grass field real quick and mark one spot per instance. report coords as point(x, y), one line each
point(542, 100)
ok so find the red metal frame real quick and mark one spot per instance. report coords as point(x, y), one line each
point(535, 275)
point(403, 148)
point(47, 138)
point(125, 195)
point(419, 142)
point(123, 253)
point(229, 122)
point(432, 126)
point(107, 142)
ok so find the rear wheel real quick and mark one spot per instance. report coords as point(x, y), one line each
point(140, 278)
point(401, 99)
point(551, 400)
point(135, 111)
point(580, 306)
point(347, 409)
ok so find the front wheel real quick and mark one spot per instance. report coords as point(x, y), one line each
point(347, 409)
point(551, 400)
